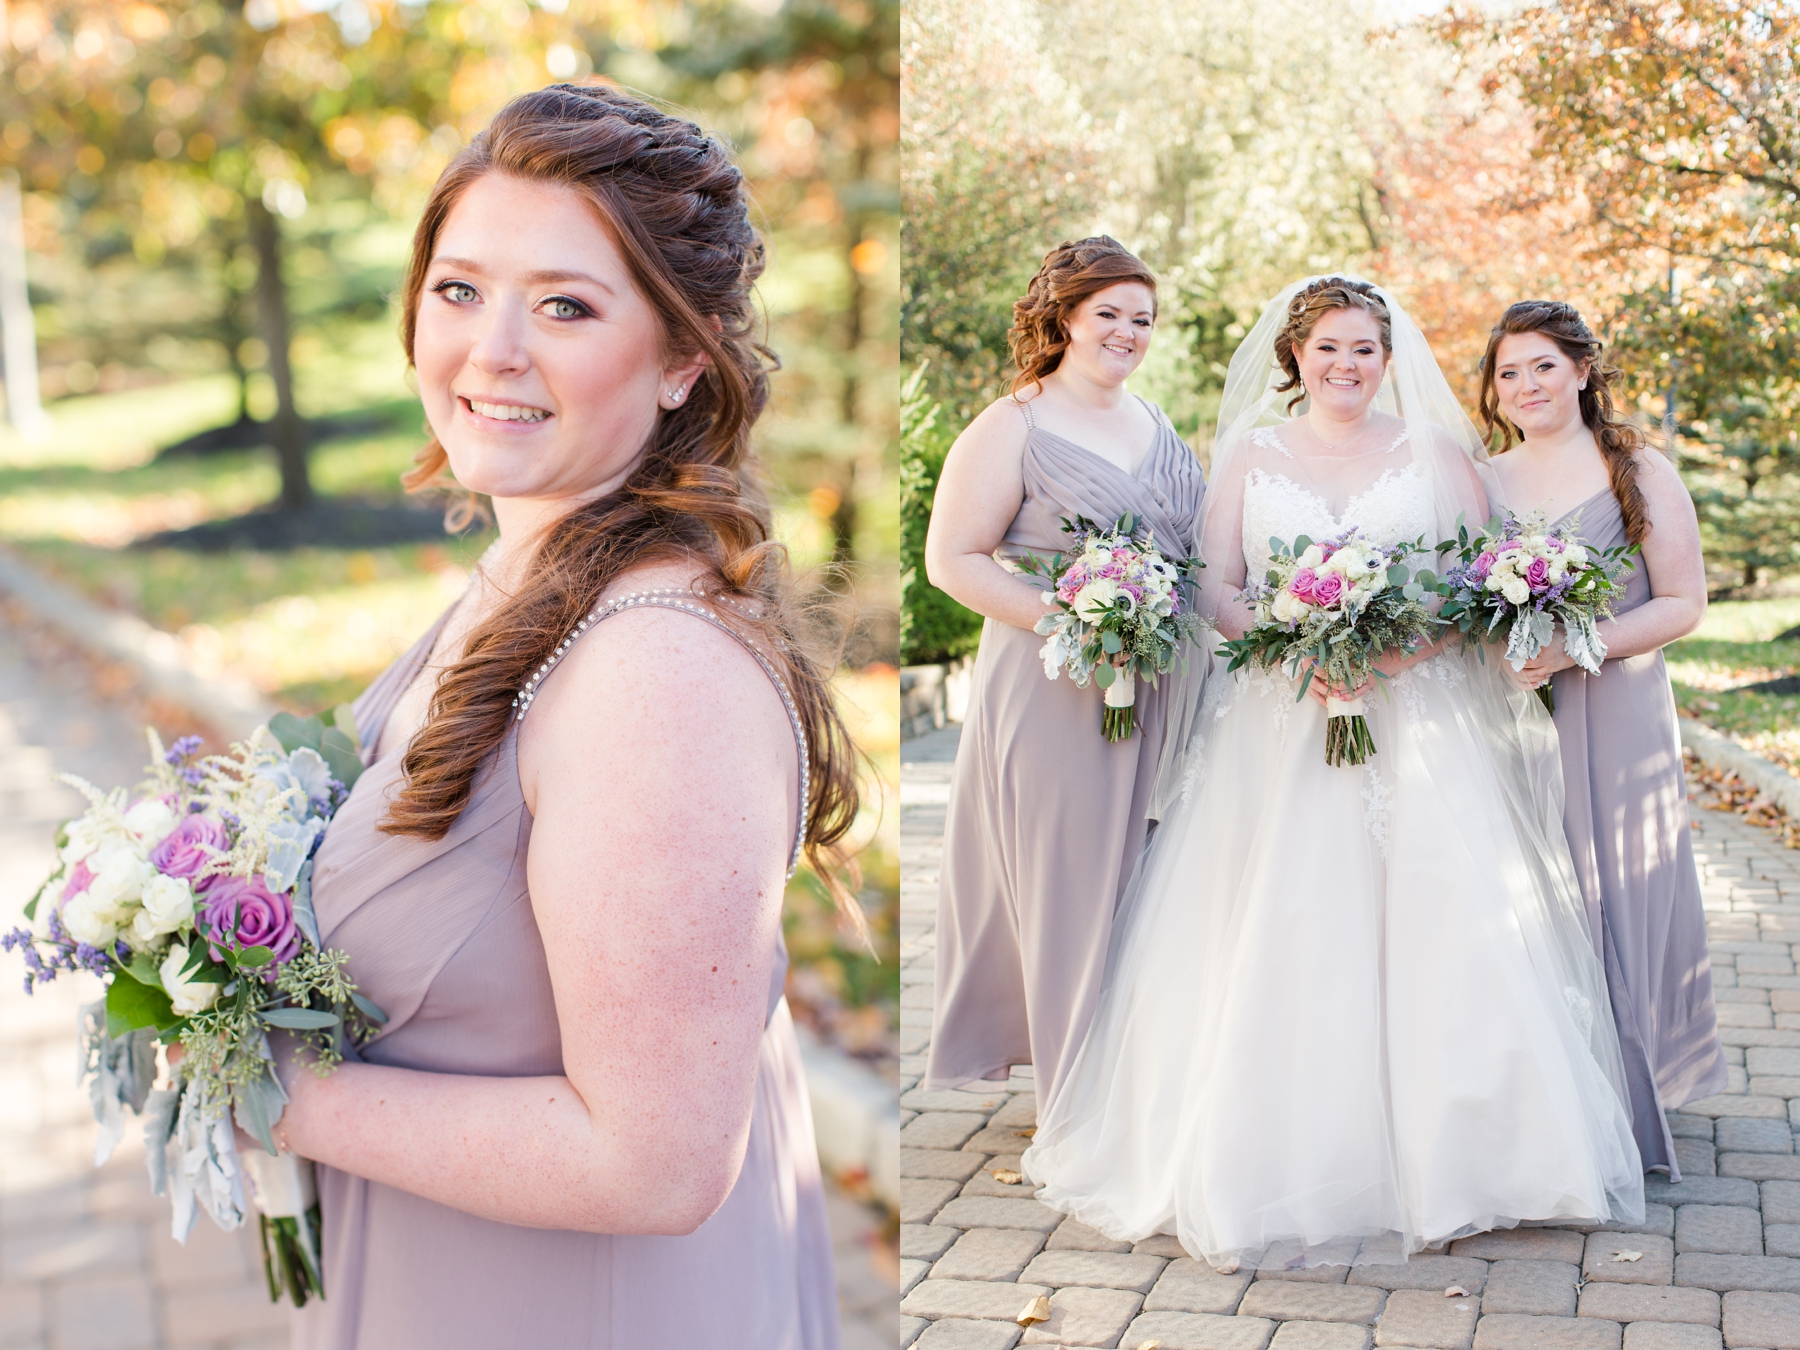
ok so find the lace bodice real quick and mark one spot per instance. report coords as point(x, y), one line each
point(1395, 506)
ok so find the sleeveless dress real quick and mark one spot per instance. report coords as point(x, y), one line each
point(442, 937)
point(1046, 817)
point(1627, 820)
point(1341, 1021)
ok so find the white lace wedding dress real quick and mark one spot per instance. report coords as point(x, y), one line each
point(1340, 1020)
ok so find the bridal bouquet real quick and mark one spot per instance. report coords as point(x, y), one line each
point(1334, 608)
point(192, 900)
point(1120, 613)
point(1525, 578)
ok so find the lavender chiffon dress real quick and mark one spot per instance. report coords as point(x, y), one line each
point(1626, 817)
point(442, 936)
point(1046, 817)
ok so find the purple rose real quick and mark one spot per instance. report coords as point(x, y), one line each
point(1482, 566)
point(1328, 590)
point(1537, 576)
point(1302, 584)
point(189, 847)
point(257, 916)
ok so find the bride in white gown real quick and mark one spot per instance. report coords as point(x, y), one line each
point(1349, 1012)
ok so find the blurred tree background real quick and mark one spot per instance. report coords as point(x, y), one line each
point(1636, 158)
point(217, 199)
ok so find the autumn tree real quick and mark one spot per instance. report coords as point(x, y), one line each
point(1678, 124)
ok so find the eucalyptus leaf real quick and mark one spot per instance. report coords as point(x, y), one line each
point(1110, 642)
point(292, 732)
point(343, 717)
point(304, 917)
point(1397, 575)
point(298, 1019)
point(369, 1010)
point(1412, 590)
point(257, 1106)
point(340, 755)
point(1302, 542)
point(1104, 676)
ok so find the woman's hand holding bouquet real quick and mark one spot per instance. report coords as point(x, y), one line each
point(1123, 611)
point(1521, 579)
point(192, 899)
point(1336, 611)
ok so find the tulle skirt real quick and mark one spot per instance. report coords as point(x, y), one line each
point(1349, 1012)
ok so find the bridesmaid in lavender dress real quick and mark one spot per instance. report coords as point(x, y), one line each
point(584, 1125)
point(1046, 817)
point(1545, 382)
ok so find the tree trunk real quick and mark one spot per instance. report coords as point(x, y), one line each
point(287, 431)
point(20, 329)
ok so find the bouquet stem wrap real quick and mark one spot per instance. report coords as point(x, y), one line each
point(287, 1199)
point(1118, 720)
point(1347, 738)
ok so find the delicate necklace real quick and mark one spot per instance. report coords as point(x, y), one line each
point(1333, 445)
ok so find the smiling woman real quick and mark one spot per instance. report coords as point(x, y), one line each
point(1047, 815)
point(588, 1088)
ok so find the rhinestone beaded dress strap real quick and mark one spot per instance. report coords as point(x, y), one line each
point(685, 602)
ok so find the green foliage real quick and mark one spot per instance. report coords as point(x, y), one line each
point(933, 627)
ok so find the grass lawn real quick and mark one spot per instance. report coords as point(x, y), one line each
point(1735, 646)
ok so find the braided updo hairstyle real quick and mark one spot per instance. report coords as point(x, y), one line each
point(675, 205)
point(1071, 273)
point(1619, 438)
point(1312, 303)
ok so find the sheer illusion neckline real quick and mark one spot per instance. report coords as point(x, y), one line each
point(1033, 429)
point(1343, 518)
point(1280, 444)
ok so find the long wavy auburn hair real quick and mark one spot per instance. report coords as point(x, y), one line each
point(1071, 272)
point(1620, 438)
point(1314, 302)
point(675, 205)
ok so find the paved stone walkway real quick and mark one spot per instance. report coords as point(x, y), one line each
point(86, 1260)
point(1719, 1259)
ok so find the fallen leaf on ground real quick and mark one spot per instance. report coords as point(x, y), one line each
point(1456, 1291)
point(1149, 1345)
point(1029, 1132)
point(1006, 1176)
point(1038, 1310)
point(1628, 1256)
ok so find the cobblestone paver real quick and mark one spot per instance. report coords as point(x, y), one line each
point(86, 1260)
point(1717, 1258)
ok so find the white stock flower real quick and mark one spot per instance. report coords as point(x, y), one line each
point(168, 906)
point(87, 920)
point(120, 876)
point(189, 996)
point(150, 821)
point(84, 836)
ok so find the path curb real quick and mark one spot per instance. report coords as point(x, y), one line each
point(234, 707)
point(1721, 752)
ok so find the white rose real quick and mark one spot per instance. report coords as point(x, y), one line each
point(1312, 557)
point(1516, 591)
point(150, 821)
point(88, 920)
point(1286, 608)
point(1575, 555)
point(168, 905)
point(119, 876)
point(188, 995)
point(83, 838)
point(1094, 599)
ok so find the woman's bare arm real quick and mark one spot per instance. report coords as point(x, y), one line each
point(979, 492)
point(656, 867)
